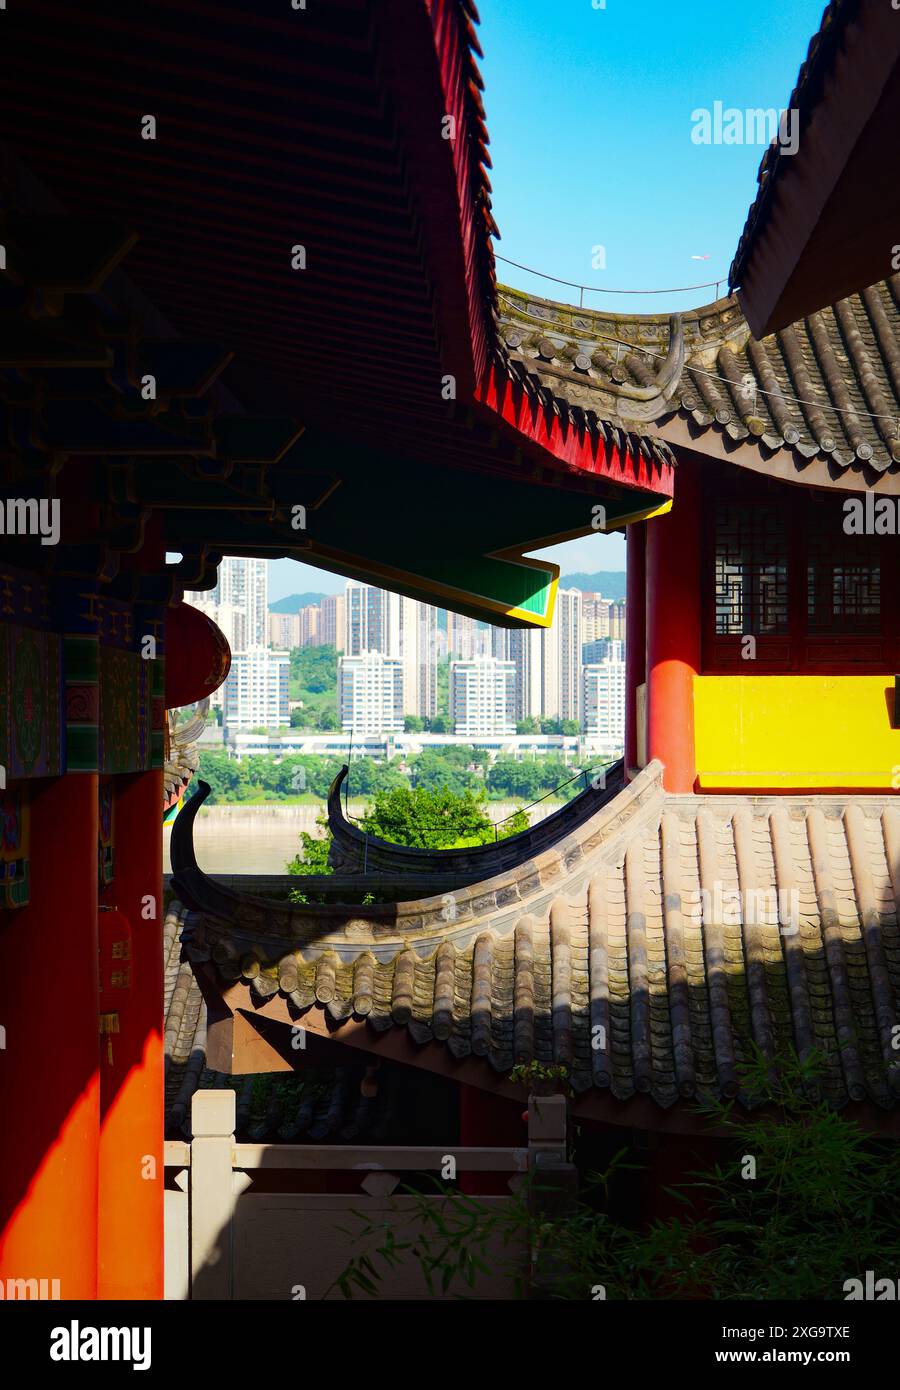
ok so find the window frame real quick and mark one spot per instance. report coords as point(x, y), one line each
point(799, 650)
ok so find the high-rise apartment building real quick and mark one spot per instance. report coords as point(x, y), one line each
point(255, 695)
point(604, 701)
point(525, 651)
point(330, 631)
point(595, 616)
point(376, 620)
point(370, 693)
point(617, 620)
point(308, 622)
point(604, 649)
point(483, 697)
point(430, 646)
point(561, 658)
point(243, 585)
point(284, 630)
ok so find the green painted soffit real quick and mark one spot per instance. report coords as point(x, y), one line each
point(432, 534)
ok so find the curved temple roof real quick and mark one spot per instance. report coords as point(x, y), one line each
point(817, 403)
point(355, 851)
point(646, 950)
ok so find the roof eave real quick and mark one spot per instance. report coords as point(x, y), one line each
point(823, 224)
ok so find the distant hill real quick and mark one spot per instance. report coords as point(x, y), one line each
point(294, 602)
point(609, 583)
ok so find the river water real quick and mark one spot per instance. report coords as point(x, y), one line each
point(261, 839)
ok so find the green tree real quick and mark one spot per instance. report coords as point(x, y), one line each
point(313, 856)
point(445, 769)
point(413, 724)
point(226, 776)
point(430, 819)
point(313, 669)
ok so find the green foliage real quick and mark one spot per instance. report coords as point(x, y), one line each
point(313, 856)
point(447, 769)
point(313, 679)
point(459, 769)
point(368, 777)
point(430, 819)
point(413, 724)
point(265, 776)
point(821, 1209)
point(442, 697)
point(312, 859)
point(314, 669)
point(528, 779)
point(539, 1079)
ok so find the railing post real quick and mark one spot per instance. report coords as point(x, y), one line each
point(212, 1199)
point(552, 1191)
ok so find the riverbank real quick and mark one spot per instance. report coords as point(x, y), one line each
point(261, 839)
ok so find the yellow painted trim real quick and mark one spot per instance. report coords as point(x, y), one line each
point(803, 731)
point(645, 515)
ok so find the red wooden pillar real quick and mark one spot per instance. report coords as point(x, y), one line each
point(489, 1120)
point(673, 631)
point(131, 1136)
point(50, 1088)
point(636, 632)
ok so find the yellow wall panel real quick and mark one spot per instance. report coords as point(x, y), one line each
point(796, 731)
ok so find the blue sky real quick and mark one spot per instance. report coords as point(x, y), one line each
point(590, 116)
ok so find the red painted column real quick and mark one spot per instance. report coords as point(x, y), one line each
point(50, 1091)
point(636, 631)
point(486, 1119)
point(673, 631)
point(131, 1138)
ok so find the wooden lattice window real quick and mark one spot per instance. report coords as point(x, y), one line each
point(751, 571)
point(843, 577)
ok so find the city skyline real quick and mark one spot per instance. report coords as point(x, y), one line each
point(391, 648)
